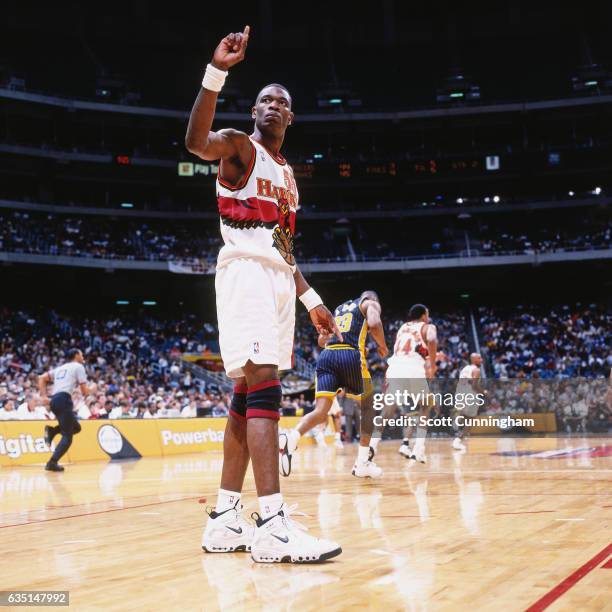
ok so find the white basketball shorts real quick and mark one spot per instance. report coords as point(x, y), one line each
point(406, 375)
point(256, 315)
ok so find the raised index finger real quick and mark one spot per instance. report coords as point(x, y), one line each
point(245, 38)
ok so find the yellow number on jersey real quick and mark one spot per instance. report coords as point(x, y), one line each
point(344, 322)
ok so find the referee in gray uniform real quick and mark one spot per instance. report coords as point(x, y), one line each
point(65, 380)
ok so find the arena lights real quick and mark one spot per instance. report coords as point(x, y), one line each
point(122, 302)
point(457, 89)
point(496, 199)
point(318, 155)
point(127, 205)
point(459, 200)
point(596, 191)
point(149, 303)
point(591, 79)
point(570, 194)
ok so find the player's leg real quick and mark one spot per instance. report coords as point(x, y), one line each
point(226, 530)
point(336, 419)
point(459, 431)
point(277, 537)
point(418, 451)
point(61, 406)
point(359, 385)
point(364, 467)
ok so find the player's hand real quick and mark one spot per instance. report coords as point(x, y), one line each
point(231, 50)
point(324, 321)
point(430, 372)
point(383, 351)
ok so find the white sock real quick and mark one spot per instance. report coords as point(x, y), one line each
point(269, 505)
point(226, 500)
point(362, 454)
point(374, 442)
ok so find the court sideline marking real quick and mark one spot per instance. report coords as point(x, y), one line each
point(565, 585)
point(61, 518)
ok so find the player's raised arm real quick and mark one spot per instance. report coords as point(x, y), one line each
point(199, 140)
point(372, 311)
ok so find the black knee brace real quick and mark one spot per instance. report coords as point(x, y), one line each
point(239, 402)
point(263, 400)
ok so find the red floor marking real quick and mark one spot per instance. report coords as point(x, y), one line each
point(607, 565)
point(526, 512)
point(91, 503)
point(61, 518)
point(402, 516)
point(570, 581)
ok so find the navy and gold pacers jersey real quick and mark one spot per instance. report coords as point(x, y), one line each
point(352, 324)
point(342, 364)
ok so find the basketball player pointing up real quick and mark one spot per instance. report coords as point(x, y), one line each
point(256, 284)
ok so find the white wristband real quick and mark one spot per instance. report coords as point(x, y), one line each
point(311, 299)
point(214, 78)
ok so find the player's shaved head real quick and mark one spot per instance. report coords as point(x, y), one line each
point(272, 86)
point(370, 295)
point(416, 312)
point(475, 359)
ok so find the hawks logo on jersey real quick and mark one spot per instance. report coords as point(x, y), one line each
point(258, 214)
point(283, 234)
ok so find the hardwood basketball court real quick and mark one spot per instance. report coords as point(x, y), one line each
point(479, 531)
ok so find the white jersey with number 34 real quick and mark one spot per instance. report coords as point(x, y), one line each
point(407, 361)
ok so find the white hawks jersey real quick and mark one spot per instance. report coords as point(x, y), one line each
point(258, 213)
point(409, 342)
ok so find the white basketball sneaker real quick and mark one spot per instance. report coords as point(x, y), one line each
point(418, 454)
point(227, 531)
point(280, 539)
point(287, 445)
point(367, 470)
point(405, 451)
point(458, 445)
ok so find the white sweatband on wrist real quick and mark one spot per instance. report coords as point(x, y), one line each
point(311, 299)
point(214, 78)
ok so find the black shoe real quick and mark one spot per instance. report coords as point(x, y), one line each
point(53, 467)
point(49, 435)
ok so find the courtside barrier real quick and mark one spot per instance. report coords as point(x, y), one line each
point(22, 442)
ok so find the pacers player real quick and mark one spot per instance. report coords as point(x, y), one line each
point(256, 285)
point(66, 379)
point(412, 363)
point(469, 379)
point(342, 365)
